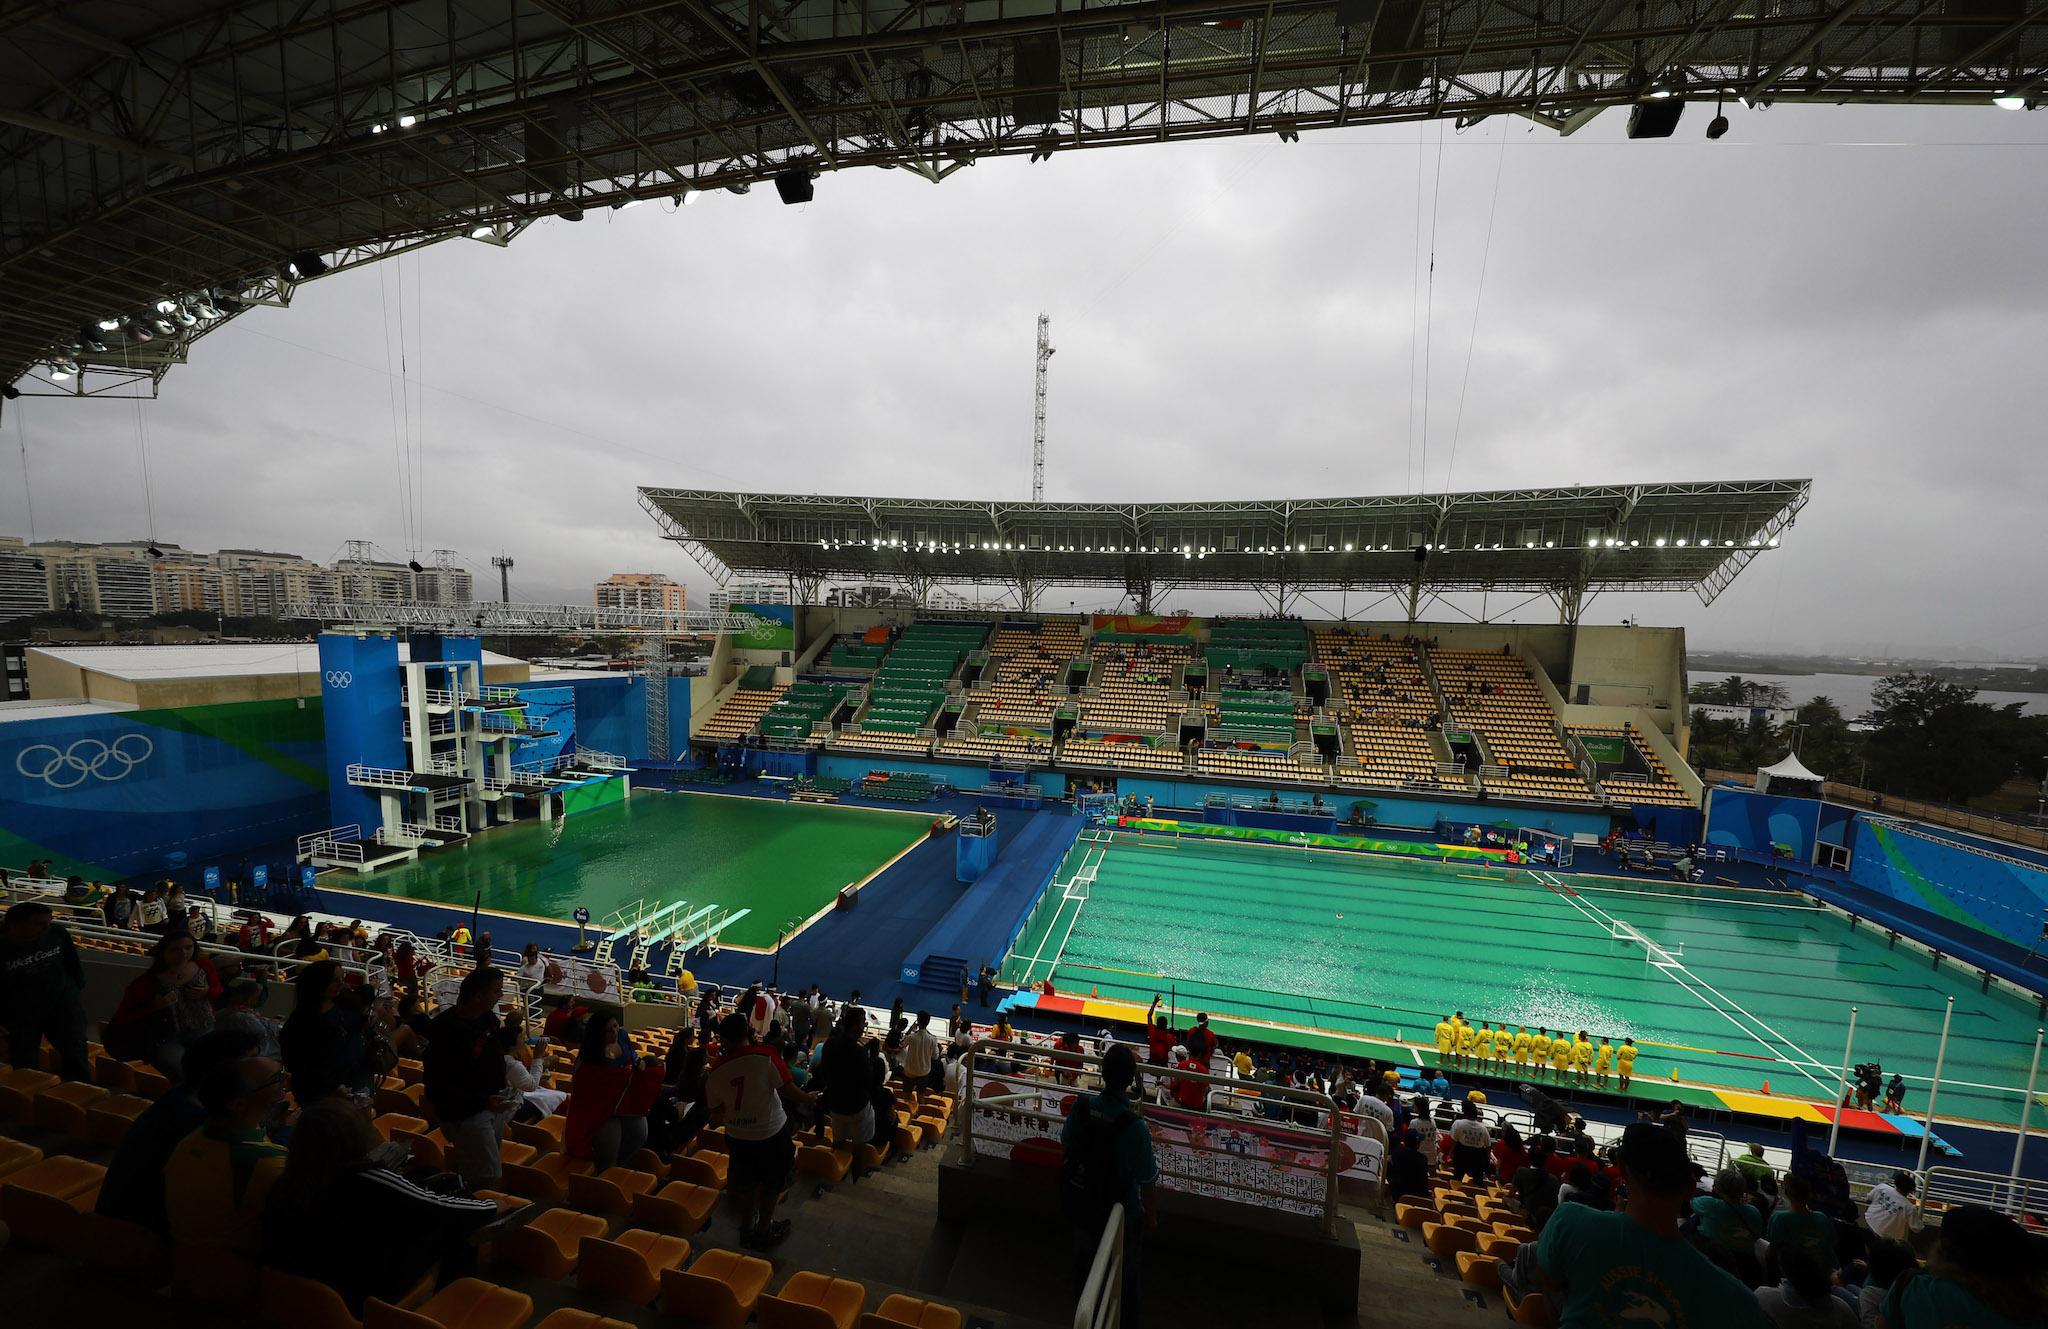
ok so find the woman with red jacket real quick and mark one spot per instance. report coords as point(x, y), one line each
point(609, 1095)
point(166, 1006)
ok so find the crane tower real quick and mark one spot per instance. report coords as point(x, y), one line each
point(1038, 411)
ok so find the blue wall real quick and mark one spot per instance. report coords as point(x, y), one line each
point(1978, 891)
point(547, 709)
point(126, 793)
point(1744, 819)
point(359, 683)
point(1388, 810)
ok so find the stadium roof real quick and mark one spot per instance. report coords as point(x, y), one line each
point(164, 165)
point(211, 659)
point(1564, 542)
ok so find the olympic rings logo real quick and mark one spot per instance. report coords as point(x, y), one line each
point(339, 678)
point(67, 768)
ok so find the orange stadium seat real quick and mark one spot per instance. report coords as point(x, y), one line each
point(720, 1291)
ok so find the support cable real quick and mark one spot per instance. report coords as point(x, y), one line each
point(1478, 302)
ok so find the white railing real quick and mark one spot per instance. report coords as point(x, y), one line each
point(379, 777)
point(313, 841)
point(437, 697)
point(449, 822)
point(496, 692)
point(445, 765)
point(2023, 1198)
point(590, 759)
point(1102, 1296)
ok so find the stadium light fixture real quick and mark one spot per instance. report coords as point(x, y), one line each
point(1347, 546)
point(1774, 542)
point(166, 306)
point(63, 369)
point(1660, 542)
point(110, 325)
point(303, 266)
point(2008, 102)
point(1550, 544)
point(407, 121)
point(89, 339)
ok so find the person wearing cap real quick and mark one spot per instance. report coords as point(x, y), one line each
point(1635, 1266)
point(1986, 1272)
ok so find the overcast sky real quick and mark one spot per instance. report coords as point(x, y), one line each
point(1854, 295)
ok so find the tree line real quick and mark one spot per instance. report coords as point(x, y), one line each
point(1924, 737)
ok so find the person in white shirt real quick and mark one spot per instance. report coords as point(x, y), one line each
point(1369, 1106)
point(518, 1075)
point(1471, 1143)
point(1890, 1211)
point(746, 1093)
point(920, 1053)
point(531, 967)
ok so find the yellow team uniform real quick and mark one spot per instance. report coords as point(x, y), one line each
point(1582, 1055)
point(1446, 1037)
point(1560, 1054)
point(1539, 1049)
point(1625, 1060)
point(1465, 1037)
point(1522, 1041)
point(1604, 1057)
point(1483, 1044)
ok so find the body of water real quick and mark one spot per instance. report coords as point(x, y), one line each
point(1851, 692)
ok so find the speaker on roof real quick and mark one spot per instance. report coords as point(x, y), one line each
point(1036, 80)
point(1397, 26)
point(1655, 118)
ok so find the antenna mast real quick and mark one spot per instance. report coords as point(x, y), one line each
point(1038, 412)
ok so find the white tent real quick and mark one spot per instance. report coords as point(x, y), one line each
point(1791, 772)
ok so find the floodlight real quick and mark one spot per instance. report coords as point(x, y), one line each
point(167, 306)
point(2008, 102)
point(1347, 546)
point(1550, 544)
point(1660, 542)
point(480, 232)
point(89, 338)
point(407, 121)
point(300, 267)
point(1717, 126)
point(110, 324)
point(140, 333)
point(63, 369)
point(154, 552)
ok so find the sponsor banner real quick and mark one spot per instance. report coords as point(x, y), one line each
point(1225, 1156)
point(1146, 625)
point(1362, 843)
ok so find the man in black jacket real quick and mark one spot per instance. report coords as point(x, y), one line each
point(464, 1072)
point(840, 1076)
point(40, 982)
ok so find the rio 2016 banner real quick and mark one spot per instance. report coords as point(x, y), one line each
point(1359, 843)
point(1146, 625)
point(777, 630)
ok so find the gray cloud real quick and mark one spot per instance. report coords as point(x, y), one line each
point(1843, 293)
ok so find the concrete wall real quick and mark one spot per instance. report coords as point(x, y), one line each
point(1391, 810)
point(1638, 668)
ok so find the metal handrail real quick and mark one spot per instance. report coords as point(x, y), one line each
point(2021, 1197)
point(1102, 1296)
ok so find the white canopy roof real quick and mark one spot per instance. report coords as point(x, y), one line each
point(1791, 768)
